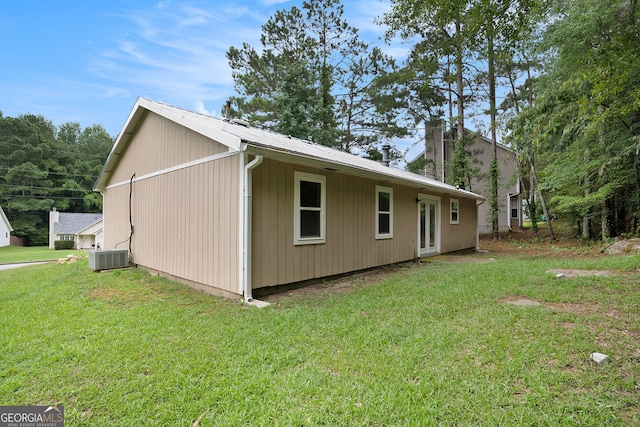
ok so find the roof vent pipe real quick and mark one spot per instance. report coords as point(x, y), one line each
point(385, 154)
point(227, 110)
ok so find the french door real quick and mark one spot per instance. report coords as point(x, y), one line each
point(428, 225)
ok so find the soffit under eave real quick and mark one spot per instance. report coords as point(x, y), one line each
point(381, 178)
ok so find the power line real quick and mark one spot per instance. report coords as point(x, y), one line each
point(46, 147)
point(11, 196)
point(33, 187)
point(94, 177)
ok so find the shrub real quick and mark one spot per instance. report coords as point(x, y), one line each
point(63, 244)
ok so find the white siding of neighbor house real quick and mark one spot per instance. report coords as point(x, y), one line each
point(5, 231)
point(90, 237)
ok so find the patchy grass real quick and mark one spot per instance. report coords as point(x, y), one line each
point(13, 254)
point(429, 344)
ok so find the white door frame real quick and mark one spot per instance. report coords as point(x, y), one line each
point(432, 247)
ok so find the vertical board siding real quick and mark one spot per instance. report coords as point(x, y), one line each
point(186, 222)
point(350, 220)
point(460, 236)
point(167, 144)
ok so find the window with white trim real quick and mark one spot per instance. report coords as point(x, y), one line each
point(384, 212)
point(309, 208)
point(455, 212)
point(514, 207)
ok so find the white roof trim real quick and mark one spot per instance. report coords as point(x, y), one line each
point(5, 219)
point(88, 227)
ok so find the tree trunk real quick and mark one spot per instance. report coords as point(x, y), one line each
point(606, 226)
point(545, 212)
point(426, 147)
point(494, 170)
point(586, 222)
point(460, 80)
point(450, 91)
point(459, 155)
point(531, 203)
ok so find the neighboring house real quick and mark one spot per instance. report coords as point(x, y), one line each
point(228, 208)
point(439, 150)
point(5, 229)
point(85, 229)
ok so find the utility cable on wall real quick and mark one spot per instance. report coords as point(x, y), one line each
point(130, 219)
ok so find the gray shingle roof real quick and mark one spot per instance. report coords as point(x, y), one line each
point(73, 223)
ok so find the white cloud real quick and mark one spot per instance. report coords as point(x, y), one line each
point(198, 107)
point(176, 51)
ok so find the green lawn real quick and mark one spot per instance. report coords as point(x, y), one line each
point(429, 344)
point(12, 254)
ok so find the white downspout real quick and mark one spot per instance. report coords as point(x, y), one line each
point(246, 261)
point(478, 203)
point(442, 147)
point(509, 207)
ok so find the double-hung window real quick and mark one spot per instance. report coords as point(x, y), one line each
point(455, 207)
point(309, 208)
point(384, 212)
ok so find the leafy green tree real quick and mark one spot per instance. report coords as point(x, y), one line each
point(367, 108)
point(442, 24)
point(587, 115)
point(312, 78)
point(501, 26)
point(410, 96)
point(42, 167)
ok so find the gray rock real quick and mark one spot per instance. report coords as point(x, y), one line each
point(599, 358)
point(623, 247)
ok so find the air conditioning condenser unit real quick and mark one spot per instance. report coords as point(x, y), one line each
point(108, 259)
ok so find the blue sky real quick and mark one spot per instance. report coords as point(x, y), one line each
point(88, 61)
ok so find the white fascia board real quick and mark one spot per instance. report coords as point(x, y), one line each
point(87, 228)
point(196, 122)
point(5, 219)
point(379, 172)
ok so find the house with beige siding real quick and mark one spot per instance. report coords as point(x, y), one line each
point(232, 209)
point(439, 147)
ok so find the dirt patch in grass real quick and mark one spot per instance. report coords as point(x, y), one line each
point(525, 244)
point(338, 284)
point(612, 327)
point(121, 296)
point(521, 244)
point(567, 272)
point(476, 257)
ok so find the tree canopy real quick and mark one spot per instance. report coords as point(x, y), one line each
point(42, 167)
point(584, 122)
point(314, 78)
point(567, 74)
